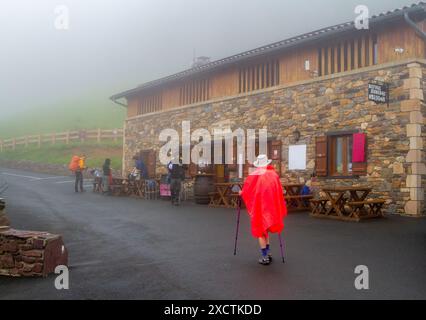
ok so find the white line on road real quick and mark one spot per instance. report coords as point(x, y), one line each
point(61, 182)
point(20, 176)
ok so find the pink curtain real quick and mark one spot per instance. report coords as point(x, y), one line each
point(358, 150)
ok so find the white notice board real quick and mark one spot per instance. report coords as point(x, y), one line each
point(297, 157)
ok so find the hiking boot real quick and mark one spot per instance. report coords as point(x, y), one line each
point(264, 261)
point(270, 257)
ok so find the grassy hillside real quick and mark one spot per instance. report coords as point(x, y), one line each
point(82, 113)
point(61, 154)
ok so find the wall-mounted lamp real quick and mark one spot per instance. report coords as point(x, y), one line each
point(399, 50)
point(296, 135)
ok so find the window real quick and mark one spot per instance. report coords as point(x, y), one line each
point(335, 152)
point(340, 155)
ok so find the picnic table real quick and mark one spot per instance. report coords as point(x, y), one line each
point(226, 194)
point(294, 198)
point(347, 203)
point(135, 187)
point(118, 186)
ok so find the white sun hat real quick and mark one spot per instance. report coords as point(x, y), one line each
point(262, 161)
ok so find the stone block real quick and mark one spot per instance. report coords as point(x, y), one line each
point(416, 117)
point(398, 168)
point(412, 83)
point(30, 253)
point(414, 181)
point(417, 194)
point(414, 130)
point(416, 94)
point(413, 208)
point(415, 73)
point(414, 156)
point(418, 168)
point(414, 65)
point(411, 105)
point(416, 143)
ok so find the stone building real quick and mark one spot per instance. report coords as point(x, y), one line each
point(318, 90)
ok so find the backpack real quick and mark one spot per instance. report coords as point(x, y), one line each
point(74, 164)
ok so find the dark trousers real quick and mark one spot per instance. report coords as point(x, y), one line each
point(175, 189)
point(78, 181)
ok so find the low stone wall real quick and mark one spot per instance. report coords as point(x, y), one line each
point(30, 253)
point(4, 221)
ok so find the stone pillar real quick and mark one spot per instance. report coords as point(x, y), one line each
point(415, 157)
point(4, 221)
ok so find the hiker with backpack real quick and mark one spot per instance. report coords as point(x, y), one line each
point(77, 166)
point(107, 177)
point(263, 195)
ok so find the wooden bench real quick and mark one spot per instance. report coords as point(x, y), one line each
point(375, 207)
point(97, 185)
point(214, 198)
point(298, 202)
point(234, 197)
point(318, 206)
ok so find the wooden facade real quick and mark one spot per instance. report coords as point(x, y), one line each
point(358, 49)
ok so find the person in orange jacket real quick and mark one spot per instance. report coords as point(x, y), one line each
point(79, 173)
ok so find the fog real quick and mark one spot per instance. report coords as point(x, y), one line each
point(114, 45)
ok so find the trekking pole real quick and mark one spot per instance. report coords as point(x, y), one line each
point(238, 224)
point(281, 247)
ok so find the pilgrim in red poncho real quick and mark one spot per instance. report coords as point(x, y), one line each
point(263, 195)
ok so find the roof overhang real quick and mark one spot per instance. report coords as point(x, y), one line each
point(414, 11)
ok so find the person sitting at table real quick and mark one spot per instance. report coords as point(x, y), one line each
point(107, 177)
point(263, 195)
point(306, 191)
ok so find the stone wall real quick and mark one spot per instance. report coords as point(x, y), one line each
point(335, 103)
point(30, 253)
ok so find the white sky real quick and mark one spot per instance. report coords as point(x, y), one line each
point(113, 45)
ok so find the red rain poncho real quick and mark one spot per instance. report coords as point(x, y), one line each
point(263, 195)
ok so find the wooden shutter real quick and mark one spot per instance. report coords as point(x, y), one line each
point(321, 156)
point(360, 168)
point(275, 154)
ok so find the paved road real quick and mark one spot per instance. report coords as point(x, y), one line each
point(123, 248)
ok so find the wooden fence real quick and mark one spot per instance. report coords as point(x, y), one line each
point(63, 138)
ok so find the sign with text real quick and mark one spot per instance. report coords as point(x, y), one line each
point(378, 92)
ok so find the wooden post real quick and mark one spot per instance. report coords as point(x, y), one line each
point(53, 139)
point(67, 137)
point(115, 135)
point(39, 141)
point(13, 143)
point(1, 145)
point(99, 135)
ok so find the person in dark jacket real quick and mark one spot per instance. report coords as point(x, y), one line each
point(177, 175)
point(140, 165)
point(107, 173)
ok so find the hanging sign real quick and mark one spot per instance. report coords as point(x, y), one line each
point(378, 92)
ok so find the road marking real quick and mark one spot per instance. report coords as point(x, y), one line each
point(20, 176)
point(61, 182)
point(69, 181)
